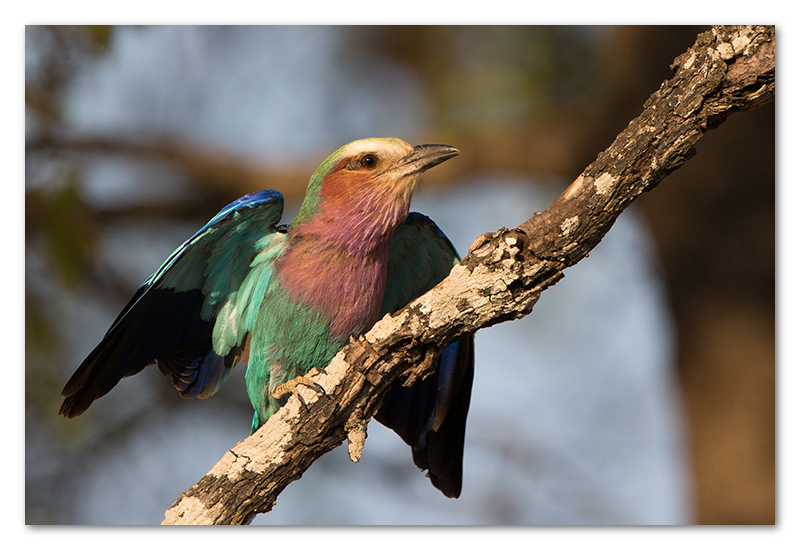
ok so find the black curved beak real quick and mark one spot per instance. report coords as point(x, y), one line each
point(426, 156)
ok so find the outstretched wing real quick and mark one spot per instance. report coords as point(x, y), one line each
point(170, 319)
point(431, 415)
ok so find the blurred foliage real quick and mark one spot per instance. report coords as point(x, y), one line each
point(54, 55)
point(489, 77)
point(541, 100)
point(514, 97)
point(55, 211)
point(59, 214)
point(61, 238)
point(41, 339)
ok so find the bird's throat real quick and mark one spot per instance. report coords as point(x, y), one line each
point(337, 258)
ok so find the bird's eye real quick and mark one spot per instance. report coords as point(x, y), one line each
point(369, 161)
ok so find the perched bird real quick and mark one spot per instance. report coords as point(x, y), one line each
point(284, 299)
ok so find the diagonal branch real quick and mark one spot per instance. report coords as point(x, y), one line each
point(728, 69)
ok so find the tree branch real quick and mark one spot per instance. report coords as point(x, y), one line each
point(728, 69)
point(209, 166)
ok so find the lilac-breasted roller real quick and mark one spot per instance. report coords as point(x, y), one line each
point(284, 299)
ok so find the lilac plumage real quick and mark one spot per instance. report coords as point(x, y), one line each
point(283, 300)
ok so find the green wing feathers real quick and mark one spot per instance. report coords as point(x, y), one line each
point(420, 256)
point(431, 415)
point(170, 318)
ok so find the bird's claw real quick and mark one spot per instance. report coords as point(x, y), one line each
point(290, 387)
point(480, 241)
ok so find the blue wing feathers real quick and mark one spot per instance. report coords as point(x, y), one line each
point(191, 315)
point(170, 318)
point(150, 329)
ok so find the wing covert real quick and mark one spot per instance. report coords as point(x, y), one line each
point(170, 319)
point(430, 416)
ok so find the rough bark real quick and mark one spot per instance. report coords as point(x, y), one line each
point(728, 69)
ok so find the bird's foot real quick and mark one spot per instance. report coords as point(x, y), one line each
point(290, 387)
point(480, 241)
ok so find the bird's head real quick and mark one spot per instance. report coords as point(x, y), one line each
point(370, 175)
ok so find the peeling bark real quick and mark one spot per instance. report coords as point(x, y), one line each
point(728, 69)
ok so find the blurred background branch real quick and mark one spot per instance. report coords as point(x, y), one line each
point(121, 166)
